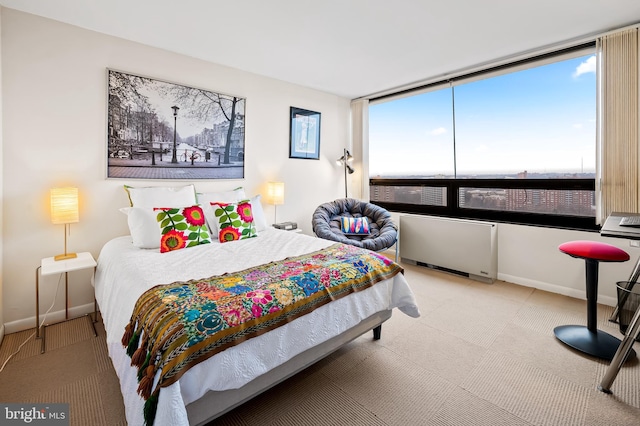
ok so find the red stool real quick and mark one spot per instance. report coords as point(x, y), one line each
point(589, 339)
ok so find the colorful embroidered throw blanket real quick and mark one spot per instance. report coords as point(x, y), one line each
point(173, 327)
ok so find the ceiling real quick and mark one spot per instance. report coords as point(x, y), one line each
point(350, 48)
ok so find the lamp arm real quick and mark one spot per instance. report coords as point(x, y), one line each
point(344, 167)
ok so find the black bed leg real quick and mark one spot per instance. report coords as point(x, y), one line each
point(377, 332)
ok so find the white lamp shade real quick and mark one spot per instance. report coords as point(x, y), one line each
point(64, 205)
point(276, 192)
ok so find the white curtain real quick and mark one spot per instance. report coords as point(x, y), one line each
point(618, 123)
point(360, 148)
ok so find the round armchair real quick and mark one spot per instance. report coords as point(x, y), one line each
point(327, 218)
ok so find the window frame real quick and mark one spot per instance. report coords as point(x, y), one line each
point(584, 223)
point(453, 209)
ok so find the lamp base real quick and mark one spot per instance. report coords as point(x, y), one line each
point(65, 256)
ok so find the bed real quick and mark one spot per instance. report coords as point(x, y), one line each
point(227, 379)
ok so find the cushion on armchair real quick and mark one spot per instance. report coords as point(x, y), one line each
point(355, 225)
point(328, 219)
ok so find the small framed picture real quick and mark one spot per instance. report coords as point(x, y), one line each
point(304, 134)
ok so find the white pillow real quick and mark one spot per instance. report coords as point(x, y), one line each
point(160, 196)
point(206, 198)
point(143, 227)
point(259, 219)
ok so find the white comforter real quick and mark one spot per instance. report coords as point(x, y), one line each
point(125, 272)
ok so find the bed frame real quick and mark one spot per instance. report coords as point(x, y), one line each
point(216, 403)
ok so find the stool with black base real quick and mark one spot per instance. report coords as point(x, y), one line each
point(589, 339)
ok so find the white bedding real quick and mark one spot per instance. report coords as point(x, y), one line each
point(125, 272)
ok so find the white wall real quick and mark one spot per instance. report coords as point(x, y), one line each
point(1, 186)
point(529, 256)
point(54, 79)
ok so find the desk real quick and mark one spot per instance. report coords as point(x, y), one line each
point(49, 266)
point(612, 228)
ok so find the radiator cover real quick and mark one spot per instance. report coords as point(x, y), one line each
point(463, 246)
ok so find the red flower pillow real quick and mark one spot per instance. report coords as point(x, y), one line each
point(182, 227)
point(234, 220)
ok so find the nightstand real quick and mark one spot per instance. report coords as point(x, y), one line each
point(49, 266)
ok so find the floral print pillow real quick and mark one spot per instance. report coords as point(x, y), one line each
point(181, 227)
point(234, 220)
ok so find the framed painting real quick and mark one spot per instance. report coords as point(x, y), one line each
point(304, 134)
point(162, 130)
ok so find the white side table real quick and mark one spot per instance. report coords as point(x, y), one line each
point(49, 266)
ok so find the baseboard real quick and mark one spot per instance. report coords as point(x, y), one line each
point(1, 333)
point(52, 317)
point(558, 289)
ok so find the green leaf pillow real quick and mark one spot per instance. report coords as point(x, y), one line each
point(181, 227)
point(234, 220)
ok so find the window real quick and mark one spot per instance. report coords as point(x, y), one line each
point(516, 143)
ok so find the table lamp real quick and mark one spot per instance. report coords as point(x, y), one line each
point(275, 191)
point(64, 210)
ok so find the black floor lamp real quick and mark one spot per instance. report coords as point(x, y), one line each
point(344, 161)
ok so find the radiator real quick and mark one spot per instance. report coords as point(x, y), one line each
point(462, 246)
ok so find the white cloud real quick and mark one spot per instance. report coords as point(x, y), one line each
point(577, 126)
point(439, 131)
point(482, 148)
point(586, 67)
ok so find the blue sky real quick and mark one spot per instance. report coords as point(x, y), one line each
point(541, 120)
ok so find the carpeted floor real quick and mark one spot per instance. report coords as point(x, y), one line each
point(480, 354)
